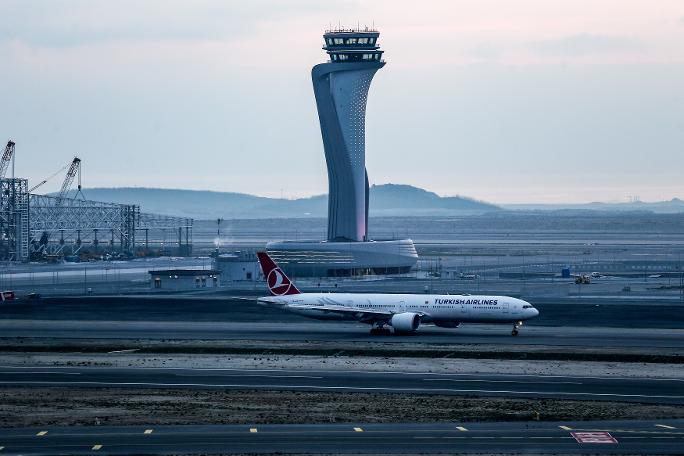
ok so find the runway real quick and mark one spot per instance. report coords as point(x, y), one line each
point(310, 330)
point(650, 327)
point(619, 437)
point(645, 390)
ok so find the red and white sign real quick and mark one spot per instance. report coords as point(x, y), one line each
point(593, 437)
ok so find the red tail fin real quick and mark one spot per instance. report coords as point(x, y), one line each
point(278, 283)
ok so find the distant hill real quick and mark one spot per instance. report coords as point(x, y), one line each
point(393, 199)
point(385, 200)
point(675, 205)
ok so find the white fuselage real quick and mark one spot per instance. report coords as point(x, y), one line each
point(432, 308)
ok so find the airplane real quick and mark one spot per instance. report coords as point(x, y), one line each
point(403, 312)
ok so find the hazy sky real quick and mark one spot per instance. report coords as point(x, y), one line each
point(507, 101)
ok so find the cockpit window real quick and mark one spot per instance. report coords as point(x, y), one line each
point(527, 306)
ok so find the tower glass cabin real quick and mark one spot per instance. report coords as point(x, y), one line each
point(352, 46)
point(341, 88)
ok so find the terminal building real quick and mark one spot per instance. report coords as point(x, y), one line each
point(341, 88)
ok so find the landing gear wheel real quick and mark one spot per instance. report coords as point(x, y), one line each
point(515, 328)
point(514, 332)
point(380, 331)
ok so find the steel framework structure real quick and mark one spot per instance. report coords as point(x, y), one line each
point(70, 226)
point(14, 219)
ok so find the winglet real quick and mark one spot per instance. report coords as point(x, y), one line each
point(278, 283)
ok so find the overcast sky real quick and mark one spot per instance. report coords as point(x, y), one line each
point(509, 101)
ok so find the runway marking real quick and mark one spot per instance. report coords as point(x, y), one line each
point(565, 428)
point(461, 428)
point(504, 437)
point(96, 447)
point(631, 431)
point(368, 372)
point(665, 426)
point(594, 437)
point(358, 429)
point(42, 373)
point(256, 375)
point(41, 433)
point(148, 431)
point(283, 376)
point(347, 388)
point(239, 430)
point(252, 429)
point(458, 380)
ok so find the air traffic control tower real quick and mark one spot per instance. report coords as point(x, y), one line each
point(341, 88)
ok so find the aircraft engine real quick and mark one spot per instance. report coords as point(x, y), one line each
point(405, 322)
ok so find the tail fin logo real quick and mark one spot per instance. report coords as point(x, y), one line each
point(278, 283)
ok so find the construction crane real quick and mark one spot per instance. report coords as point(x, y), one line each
point(48, 178)
point(74, 168)
point(6, 158)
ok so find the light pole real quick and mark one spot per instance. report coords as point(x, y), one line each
point(218, 234)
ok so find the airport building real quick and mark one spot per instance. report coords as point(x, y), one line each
point(342, 259)
point(237, 267)
point(184, 279)
point(341, 88)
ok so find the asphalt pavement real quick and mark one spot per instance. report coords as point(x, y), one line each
point(310, 330)
point(586, 312)
point(605, 437)
point(645, 390)
point(589, 323)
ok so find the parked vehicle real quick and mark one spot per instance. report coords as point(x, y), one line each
point(7, 296)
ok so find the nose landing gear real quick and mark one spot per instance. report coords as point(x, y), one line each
point(516, 325)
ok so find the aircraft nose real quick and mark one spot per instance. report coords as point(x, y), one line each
point(535, 312)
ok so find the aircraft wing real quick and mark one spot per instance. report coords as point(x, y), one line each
point(363, 315)
point(357, 313)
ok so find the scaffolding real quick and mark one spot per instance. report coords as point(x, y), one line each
point(41, 227)
point(14, 220)
point(61, 227)
point(164, 232)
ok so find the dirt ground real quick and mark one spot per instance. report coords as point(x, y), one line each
point(363, 363)
point(114, 406)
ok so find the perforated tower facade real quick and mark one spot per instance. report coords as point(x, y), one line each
point(341, 89)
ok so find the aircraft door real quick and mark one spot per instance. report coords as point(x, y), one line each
point(504, 308)
point(402, 306)
point(464, 309)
